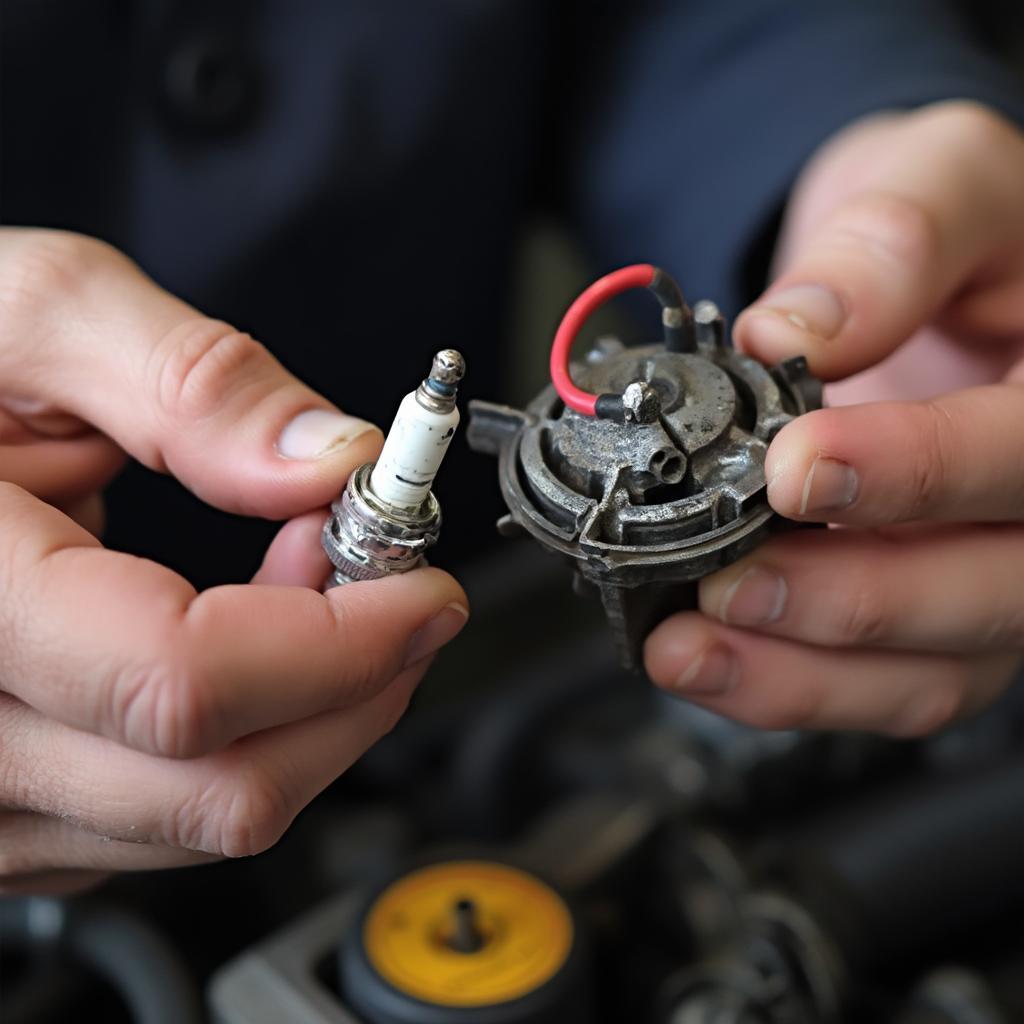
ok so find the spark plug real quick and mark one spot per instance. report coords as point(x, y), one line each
point(387, 515)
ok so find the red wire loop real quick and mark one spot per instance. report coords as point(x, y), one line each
point(639, 275)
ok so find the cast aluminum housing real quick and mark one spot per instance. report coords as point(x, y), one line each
point(645, 509)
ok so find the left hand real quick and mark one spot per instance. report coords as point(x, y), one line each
point(902, 262)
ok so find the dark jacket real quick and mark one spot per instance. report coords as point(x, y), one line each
point(348, 180)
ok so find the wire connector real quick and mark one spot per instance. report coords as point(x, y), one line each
point(677, 322)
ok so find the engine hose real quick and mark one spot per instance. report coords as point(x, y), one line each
point(128, 953)
point(914, 869)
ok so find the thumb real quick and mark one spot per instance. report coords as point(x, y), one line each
point(937, 213)
point(89, 333)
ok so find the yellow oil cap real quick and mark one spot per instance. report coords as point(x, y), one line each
point(469, 933)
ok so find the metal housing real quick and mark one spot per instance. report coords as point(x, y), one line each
point(645, 509)
point(366, 540)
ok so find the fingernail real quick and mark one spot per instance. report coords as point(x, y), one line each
point(443, 627)
point(318, 432)
point(830, 485)
point(757, 597)
point(712, 673)
point(810, 306)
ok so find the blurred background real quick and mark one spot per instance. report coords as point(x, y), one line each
point(425, 175)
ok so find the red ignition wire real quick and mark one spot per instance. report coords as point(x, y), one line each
point(639, 275)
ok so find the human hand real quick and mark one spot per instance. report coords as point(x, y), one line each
point(902, 269)
point(143, 725)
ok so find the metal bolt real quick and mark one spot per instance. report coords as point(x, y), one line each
point(467, 936)
point(640, 403)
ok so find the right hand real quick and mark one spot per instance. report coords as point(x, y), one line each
point(143, 725)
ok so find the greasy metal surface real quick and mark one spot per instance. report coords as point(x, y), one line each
point(277, 980)
point(781, 969)
point(281, 979)
point(645, 509)
point(366, 541)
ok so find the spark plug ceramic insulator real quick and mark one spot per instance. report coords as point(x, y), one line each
point(388, 516)
point(420, 436)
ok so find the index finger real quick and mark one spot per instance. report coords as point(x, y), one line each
point(124, 647)
point(86, 332)
point(955, 458)
point(934, 210)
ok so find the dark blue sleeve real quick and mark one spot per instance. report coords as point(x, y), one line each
point(698, 119)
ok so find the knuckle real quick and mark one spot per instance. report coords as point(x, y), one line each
point(18, 512)
point(371, 663)
point(929, 711)
point(894, 229)
point(392, 714)
point(972, 125)
point(1004, 629)
point(162, 707)
point(16, 782)
point(862, 618)
point(256, 814)
point(11, 497)
point(929, 464)
point(47, 266)
point(200, 364)
point(20, 779)
point(798, 709)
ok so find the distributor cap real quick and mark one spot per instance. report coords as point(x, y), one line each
point(667, 487)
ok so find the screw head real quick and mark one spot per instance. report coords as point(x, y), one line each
point(640, 403)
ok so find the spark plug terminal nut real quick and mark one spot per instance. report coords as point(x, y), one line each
point(387, 515)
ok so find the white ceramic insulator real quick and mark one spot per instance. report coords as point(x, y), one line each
point(413, 451)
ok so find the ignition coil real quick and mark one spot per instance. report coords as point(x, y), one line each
point(387, 515)
point(644, 466)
